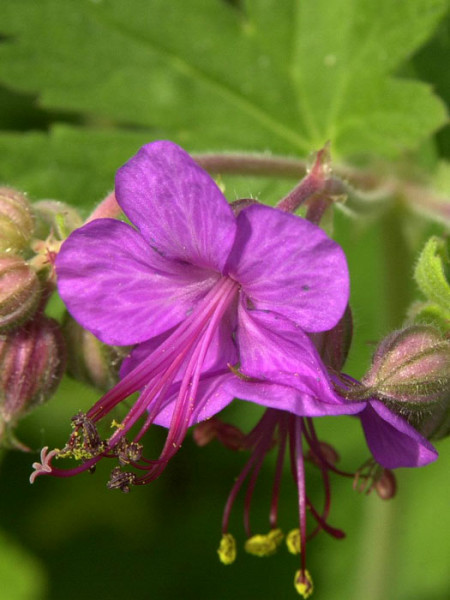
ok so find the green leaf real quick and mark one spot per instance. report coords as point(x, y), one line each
point(430, 274)
point(69, 164)
point(281, 75)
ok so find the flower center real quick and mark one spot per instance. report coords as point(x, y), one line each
point(168, 377)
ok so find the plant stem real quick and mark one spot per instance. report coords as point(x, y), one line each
point(368, 185)
point(377, 551)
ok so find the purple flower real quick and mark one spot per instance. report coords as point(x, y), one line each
point(198, 289)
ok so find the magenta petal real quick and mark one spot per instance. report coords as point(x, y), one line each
point(221, 352)
point(176, 205)
point(274, 349)
point(288, 265)
point(213, 395)
point(119, 288)
point(283, 397)
point(393, 442)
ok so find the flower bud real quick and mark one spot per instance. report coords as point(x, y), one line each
point(56, 218)
point(88, 359)
point(334, 345)
point(435, 424)
point(16, 221)
point(411, 369)
point(32, 361)
point(386, 485)
point(229, 435)
point(20, 291)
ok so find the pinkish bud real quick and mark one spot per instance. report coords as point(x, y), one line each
point(411, 369)
point(88, 359)
point(228, 435)
point(16, 221)
point(20, 291)
point(32, 361)
point(386, 485)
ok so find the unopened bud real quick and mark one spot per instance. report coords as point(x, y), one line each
point(411, 369)
point(31, 366)
point(55, 218)
point(16, 221)
point(386, 485)
point(88, 359)
point(20, 291)
point(435, 424)
point(228, 435)
point(334, 345)
point(324, 453)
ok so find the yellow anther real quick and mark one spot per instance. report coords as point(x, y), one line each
point(264, 545)
point(303, 583)
point(293, 542)
point(276, 535)
point(116, 425)
point(227, 549)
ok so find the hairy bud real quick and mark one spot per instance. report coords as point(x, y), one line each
point(88, 359)
point(16, 221)
point(20, 291)
point(32, 361)
point(334, 345)
point(411, 369)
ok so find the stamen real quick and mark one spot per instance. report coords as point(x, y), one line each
point(300, 478)
point(303, 583)
point(293, 541)
point(264, 545)
point(227, 549)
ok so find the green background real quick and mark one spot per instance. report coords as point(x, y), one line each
point(82, 85)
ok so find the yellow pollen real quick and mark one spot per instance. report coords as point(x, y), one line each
point(115, 424)
point(264, 545)
point(303, 584)
point(293, 542)
point(227, 549)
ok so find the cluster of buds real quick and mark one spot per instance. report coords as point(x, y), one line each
point(35, 349)
point(32, 356)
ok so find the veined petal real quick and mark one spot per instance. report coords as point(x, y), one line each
point(288, 265)
point(176, 205)
point(393, 442)
point(213, 395)
point(221, 352)
point(275, 350)
point(120, 289)
point(288, 398)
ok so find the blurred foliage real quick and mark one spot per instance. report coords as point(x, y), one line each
point(84, 84)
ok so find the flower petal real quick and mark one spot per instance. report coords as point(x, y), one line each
point(176, 205)
point(393, 442)
point(221, 351)
point(283, 397)
point(212, 396)
point(120, 289)
point(288, 265)
point(277, 351)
